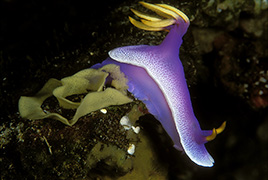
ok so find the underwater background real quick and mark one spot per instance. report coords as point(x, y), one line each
point(225, 59)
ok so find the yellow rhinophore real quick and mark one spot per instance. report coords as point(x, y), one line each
point(152, 23)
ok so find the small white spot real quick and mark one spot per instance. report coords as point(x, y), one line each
point(131, 149)
point(263, 80)
point(266, 86)
point(248, 60)
point(104, 111)
point(257, 83)
point(260, 92)
point(125, 122)
point(245, 87)
point(136, 129)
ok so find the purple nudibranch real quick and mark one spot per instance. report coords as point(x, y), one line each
point(156, 77)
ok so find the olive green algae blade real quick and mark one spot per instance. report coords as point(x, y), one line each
point(30, 107)
point(79, 83)
point(90, 81)
point(97, 100)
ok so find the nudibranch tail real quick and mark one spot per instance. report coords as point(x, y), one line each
point(151, 23)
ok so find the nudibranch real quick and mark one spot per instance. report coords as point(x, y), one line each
point(155, 76)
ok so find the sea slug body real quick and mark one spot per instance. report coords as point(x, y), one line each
point(156, 77)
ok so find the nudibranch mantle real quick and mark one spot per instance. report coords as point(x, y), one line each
point(156, 77)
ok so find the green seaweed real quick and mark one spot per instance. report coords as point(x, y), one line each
point(90, 81)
